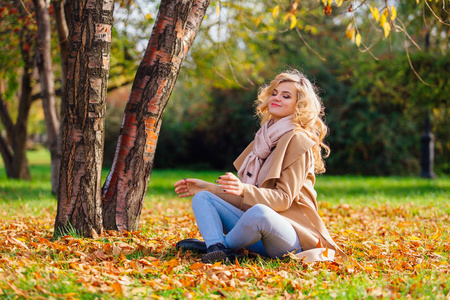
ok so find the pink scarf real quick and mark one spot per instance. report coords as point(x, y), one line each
point(265, 139)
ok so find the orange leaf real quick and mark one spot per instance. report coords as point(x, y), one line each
point(327, 10)
point(196, 266)
point(173, 263)
point(216, 264)
point(117, 288)
point(319, 244)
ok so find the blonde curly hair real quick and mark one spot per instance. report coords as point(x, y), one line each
point(309, 112)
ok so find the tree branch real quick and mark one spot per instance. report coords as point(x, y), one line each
point(309, 47)
point(437, 17)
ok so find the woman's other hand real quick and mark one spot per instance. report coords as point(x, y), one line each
point(231, 184)
point(190, 187)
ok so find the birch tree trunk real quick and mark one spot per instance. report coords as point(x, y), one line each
point(176, 26)
point(79, 193)
point(44, 64)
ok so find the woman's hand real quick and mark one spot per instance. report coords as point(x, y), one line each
point(191, 186)
point(231, 184)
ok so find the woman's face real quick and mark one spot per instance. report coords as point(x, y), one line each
point(283, 100)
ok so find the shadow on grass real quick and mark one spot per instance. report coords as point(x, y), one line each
point(36, 189)
point(25, 194)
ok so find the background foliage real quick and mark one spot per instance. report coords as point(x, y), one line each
point(375, 97)
point(376, 103)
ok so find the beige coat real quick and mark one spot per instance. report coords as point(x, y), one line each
point(286, 184)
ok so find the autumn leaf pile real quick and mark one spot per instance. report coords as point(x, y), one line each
point(395, 251)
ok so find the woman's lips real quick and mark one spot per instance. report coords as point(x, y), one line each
point(275, 105)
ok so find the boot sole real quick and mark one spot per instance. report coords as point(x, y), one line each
point(214, 256)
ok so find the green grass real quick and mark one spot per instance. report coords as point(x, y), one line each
point(34, 196)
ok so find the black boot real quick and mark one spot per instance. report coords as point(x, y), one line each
point(192, 244)
point(218, 252)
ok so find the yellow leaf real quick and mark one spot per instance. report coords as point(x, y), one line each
point(258, 21)
point(387, 29)
point(275, 11)
point(339, 2)
point(217, 8)
point(393, 12)
point(311, 29)
point(358, 39)
point(349, 33)
point(375, 13)
point(349, 26)
point(329, 2)
point(148, 16)
point(17, 243)
point(293, 21)
point(382, 20)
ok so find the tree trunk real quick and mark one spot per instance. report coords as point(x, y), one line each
point(63, 38)
point(173, 33)
point(5, 148)
point(79, 192)
point(14, 153)
point(44, 64)
point(20, 161)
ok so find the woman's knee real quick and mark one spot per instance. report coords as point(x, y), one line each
point(200, 198)
point(260, 212)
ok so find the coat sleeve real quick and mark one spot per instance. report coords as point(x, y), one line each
point(287, 187)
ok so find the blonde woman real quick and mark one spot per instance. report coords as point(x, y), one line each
point(270, 208)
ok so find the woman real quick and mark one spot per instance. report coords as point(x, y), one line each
point(271, 207)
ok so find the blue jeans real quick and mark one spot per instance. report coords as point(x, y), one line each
point(259, 229)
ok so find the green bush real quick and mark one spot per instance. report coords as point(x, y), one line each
point(376, 130)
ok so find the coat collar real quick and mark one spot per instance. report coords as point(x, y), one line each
point(290, 147)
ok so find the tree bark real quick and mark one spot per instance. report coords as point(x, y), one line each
point(14, 153)
point(44, 64)
point(79, 192)
point(5, 148)
point(173, 33)
point(63, 38)
point(20, 161)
